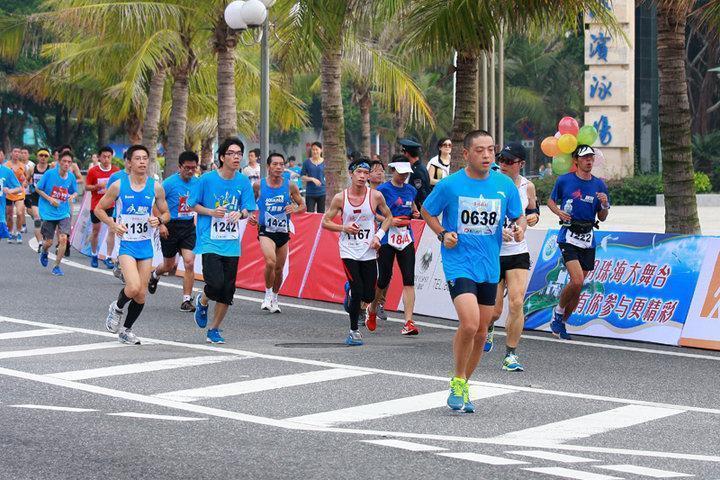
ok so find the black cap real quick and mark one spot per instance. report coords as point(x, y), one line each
point(513, 150)
point(410, 146)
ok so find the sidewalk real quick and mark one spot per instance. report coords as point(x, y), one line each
point(639, 219)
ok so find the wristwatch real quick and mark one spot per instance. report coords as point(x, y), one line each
point(441, 236)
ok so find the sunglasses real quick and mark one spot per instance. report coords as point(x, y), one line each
point(446, 145)
point(508, 161)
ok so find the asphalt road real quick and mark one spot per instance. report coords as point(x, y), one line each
point(288, 400)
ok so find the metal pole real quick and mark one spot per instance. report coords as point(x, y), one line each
point(477, 93)
point(485, 91)
point(264, 94)
point(501, 91)
point(493, 117)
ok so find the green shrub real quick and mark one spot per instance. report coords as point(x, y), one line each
point(702, 183)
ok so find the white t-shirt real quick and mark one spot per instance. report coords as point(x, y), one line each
point(253, 173)
point(444, 169)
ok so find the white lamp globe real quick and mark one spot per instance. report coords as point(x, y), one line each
point(234, 17)
point(253, 13)
point(268, 3)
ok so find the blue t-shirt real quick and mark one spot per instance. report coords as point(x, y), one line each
point(177, 194)
point(309, 169)
point(399, 200)
point(293, 174)
point(474, 209)
point(271, 205)
point(7, 180)
point(578, 198)
point(213, 191)
point(116, 176)
point(59, 188)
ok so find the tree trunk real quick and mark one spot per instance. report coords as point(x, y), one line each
point(178, 119)
point(365, 106)
point(151, 126)
point(674, 111)
point(334, 149)
point(133, 127)
point(103, 132)
point(206, 152)
point(399, 124)
point(465, 105)
point(225, 42)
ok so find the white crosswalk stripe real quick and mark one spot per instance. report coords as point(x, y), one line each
point(59, 350)
point(40, 332)
point(480, 458)
point(648, 472)
point(402, 444)
point(552, 456)
point(570, 473)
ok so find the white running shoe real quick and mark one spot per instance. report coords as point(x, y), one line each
point(274, 307)
point(265, 305)
point(126, 335)
point(114, 317)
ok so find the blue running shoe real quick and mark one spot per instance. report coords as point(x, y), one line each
point(346, 300)
point(109, 264)
point(468, 405)
point(18, 239)
point(489, 339)
point(456, 399)
point(511, 363)
point(94, 261)
point(57, 271)
point(213, 336)
point(354, 339)
point(200, 312)
point(11, 238)
point(557, 326)
point(44, 258)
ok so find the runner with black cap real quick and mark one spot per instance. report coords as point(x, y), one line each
point(33, 199)
point(577, 199)
point(419, 178)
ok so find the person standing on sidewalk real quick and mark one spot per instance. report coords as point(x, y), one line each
point(313, 174)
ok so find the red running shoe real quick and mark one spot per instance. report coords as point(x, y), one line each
point(370, 320)
point(410, 328)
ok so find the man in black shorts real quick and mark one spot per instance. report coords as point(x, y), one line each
point(178, 236)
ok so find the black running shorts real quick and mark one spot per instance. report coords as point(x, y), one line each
point(586, 256)
point(485, 291)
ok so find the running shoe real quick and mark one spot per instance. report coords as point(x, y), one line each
point(117, 272)
point(213, 336)
point(114, 317)
point(44, 258)
point(557, 326)
point(153, 283)
point(468, 405)
point(274, 307)
point(39, 247)
point(11, 239)
point(265, 305)
point(109, 263)
point(23, 229)
point(94, 261)
point(346, 300)
point(410, 328)
point(489, 339)
point(126, 335)
point(511, 363)
point(456, 399)
point(57, 271)
point(187, 306)
point(201, 312)
point(354, 338)
point(18, 239)
point(370, 319)
point(380, 312)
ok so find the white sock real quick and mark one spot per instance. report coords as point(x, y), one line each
point(268, 293)
point(154, 275)
point(560, 310)
point(275, 296)
point(94, 254)
point(187, 298)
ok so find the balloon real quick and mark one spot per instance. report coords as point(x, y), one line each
point(558, 134)
point(549, 147)
point(599, 158)
point(561, 163)
point(568, 125)
point(587, 135)
point(567, 143)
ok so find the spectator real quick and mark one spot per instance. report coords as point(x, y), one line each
point(252, 171)
point(313, 174)
point(439, 165)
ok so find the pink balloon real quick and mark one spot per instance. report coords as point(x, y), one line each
point(558, 134)
point(599, 158)
point(568, 125)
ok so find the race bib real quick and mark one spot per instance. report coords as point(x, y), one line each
point(276, 223)
point(102, 185)
point(138, 228)
point(223, 229)
point(399, 237)
point(59, 193)
point(184, 211)
point(478, 216)
point(582, 240)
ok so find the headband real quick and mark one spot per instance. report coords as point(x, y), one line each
point(354, 167)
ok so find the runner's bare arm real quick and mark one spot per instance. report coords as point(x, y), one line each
point(77, 173)
point(298, 199)
point(106, 202)
point(161, 206)
point(256, 190)
point(44, 195)
point(533, 218)
point(332, 212)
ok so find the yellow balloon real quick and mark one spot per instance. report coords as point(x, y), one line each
point(567, 143)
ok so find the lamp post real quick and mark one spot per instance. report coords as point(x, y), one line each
point(243, 15)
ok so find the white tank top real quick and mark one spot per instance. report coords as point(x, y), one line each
point(357, 247)
point(512, 247)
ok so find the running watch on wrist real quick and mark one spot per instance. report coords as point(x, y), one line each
point(441, 236)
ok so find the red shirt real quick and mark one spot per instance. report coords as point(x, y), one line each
point(98, 176)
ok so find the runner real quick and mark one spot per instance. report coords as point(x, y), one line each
point(277, 199)
point(57, 189)
point(252, 170)
point(8, 185)
point(33, 199)
point(29, 166)
point(222, 198)
point(359, 239)
point(514, 259)
point(399, 244)
point(473, 202)
point(96, 183)
point(136, 194)
point(179, 234)
point(15, 202)
point(582, 196)
point(377, 173)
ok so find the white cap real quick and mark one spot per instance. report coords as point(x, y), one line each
point(401, 167)
point(584, 150)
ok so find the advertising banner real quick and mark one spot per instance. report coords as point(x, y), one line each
point(702, 326)
point(641, 288)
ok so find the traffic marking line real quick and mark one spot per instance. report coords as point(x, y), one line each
point(552, 456)
point(401, 444)
point(31, 333)
point(480, 458)
point(569, 473)
point(59, 350)
point(648, 472)
point(54, 407)
point(175, 418)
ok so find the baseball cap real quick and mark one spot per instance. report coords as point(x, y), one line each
point(411, 146)
point(584, 150)
point(513, 151)
point(401, 167)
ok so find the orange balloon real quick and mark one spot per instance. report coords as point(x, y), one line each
point(549, 147)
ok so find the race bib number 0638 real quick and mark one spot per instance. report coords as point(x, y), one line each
point(478, 216)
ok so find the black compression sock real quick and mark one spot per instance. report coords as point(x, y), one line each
point(133, 313)
point(122, 299)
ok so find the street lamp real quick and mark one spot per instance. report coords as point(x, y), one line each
point(241, 15)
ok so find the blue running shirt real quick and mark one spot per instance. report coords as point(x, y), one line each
point(52, 184)
point(474, 209)
point(578, 198)
point(177, 194)
point(272, 203)
point(134, 210)
point(218, 235)
point(400, 201)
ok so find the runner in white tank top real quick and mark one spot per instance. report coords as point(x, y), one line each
point(359, 239)
point(514, 259)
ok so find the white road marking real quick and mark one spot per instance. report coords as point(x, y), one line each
point(414, 447)
point(397, 406)
point(569, 473)
point(54, 407)
point(480, 458)
point(552, 456)
point(259, 385)
point(31, 333)
point(435, 325)
point(593, 424)
point(175, 418)
point(144, 367)
point(648, 472)
point(59, 350)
